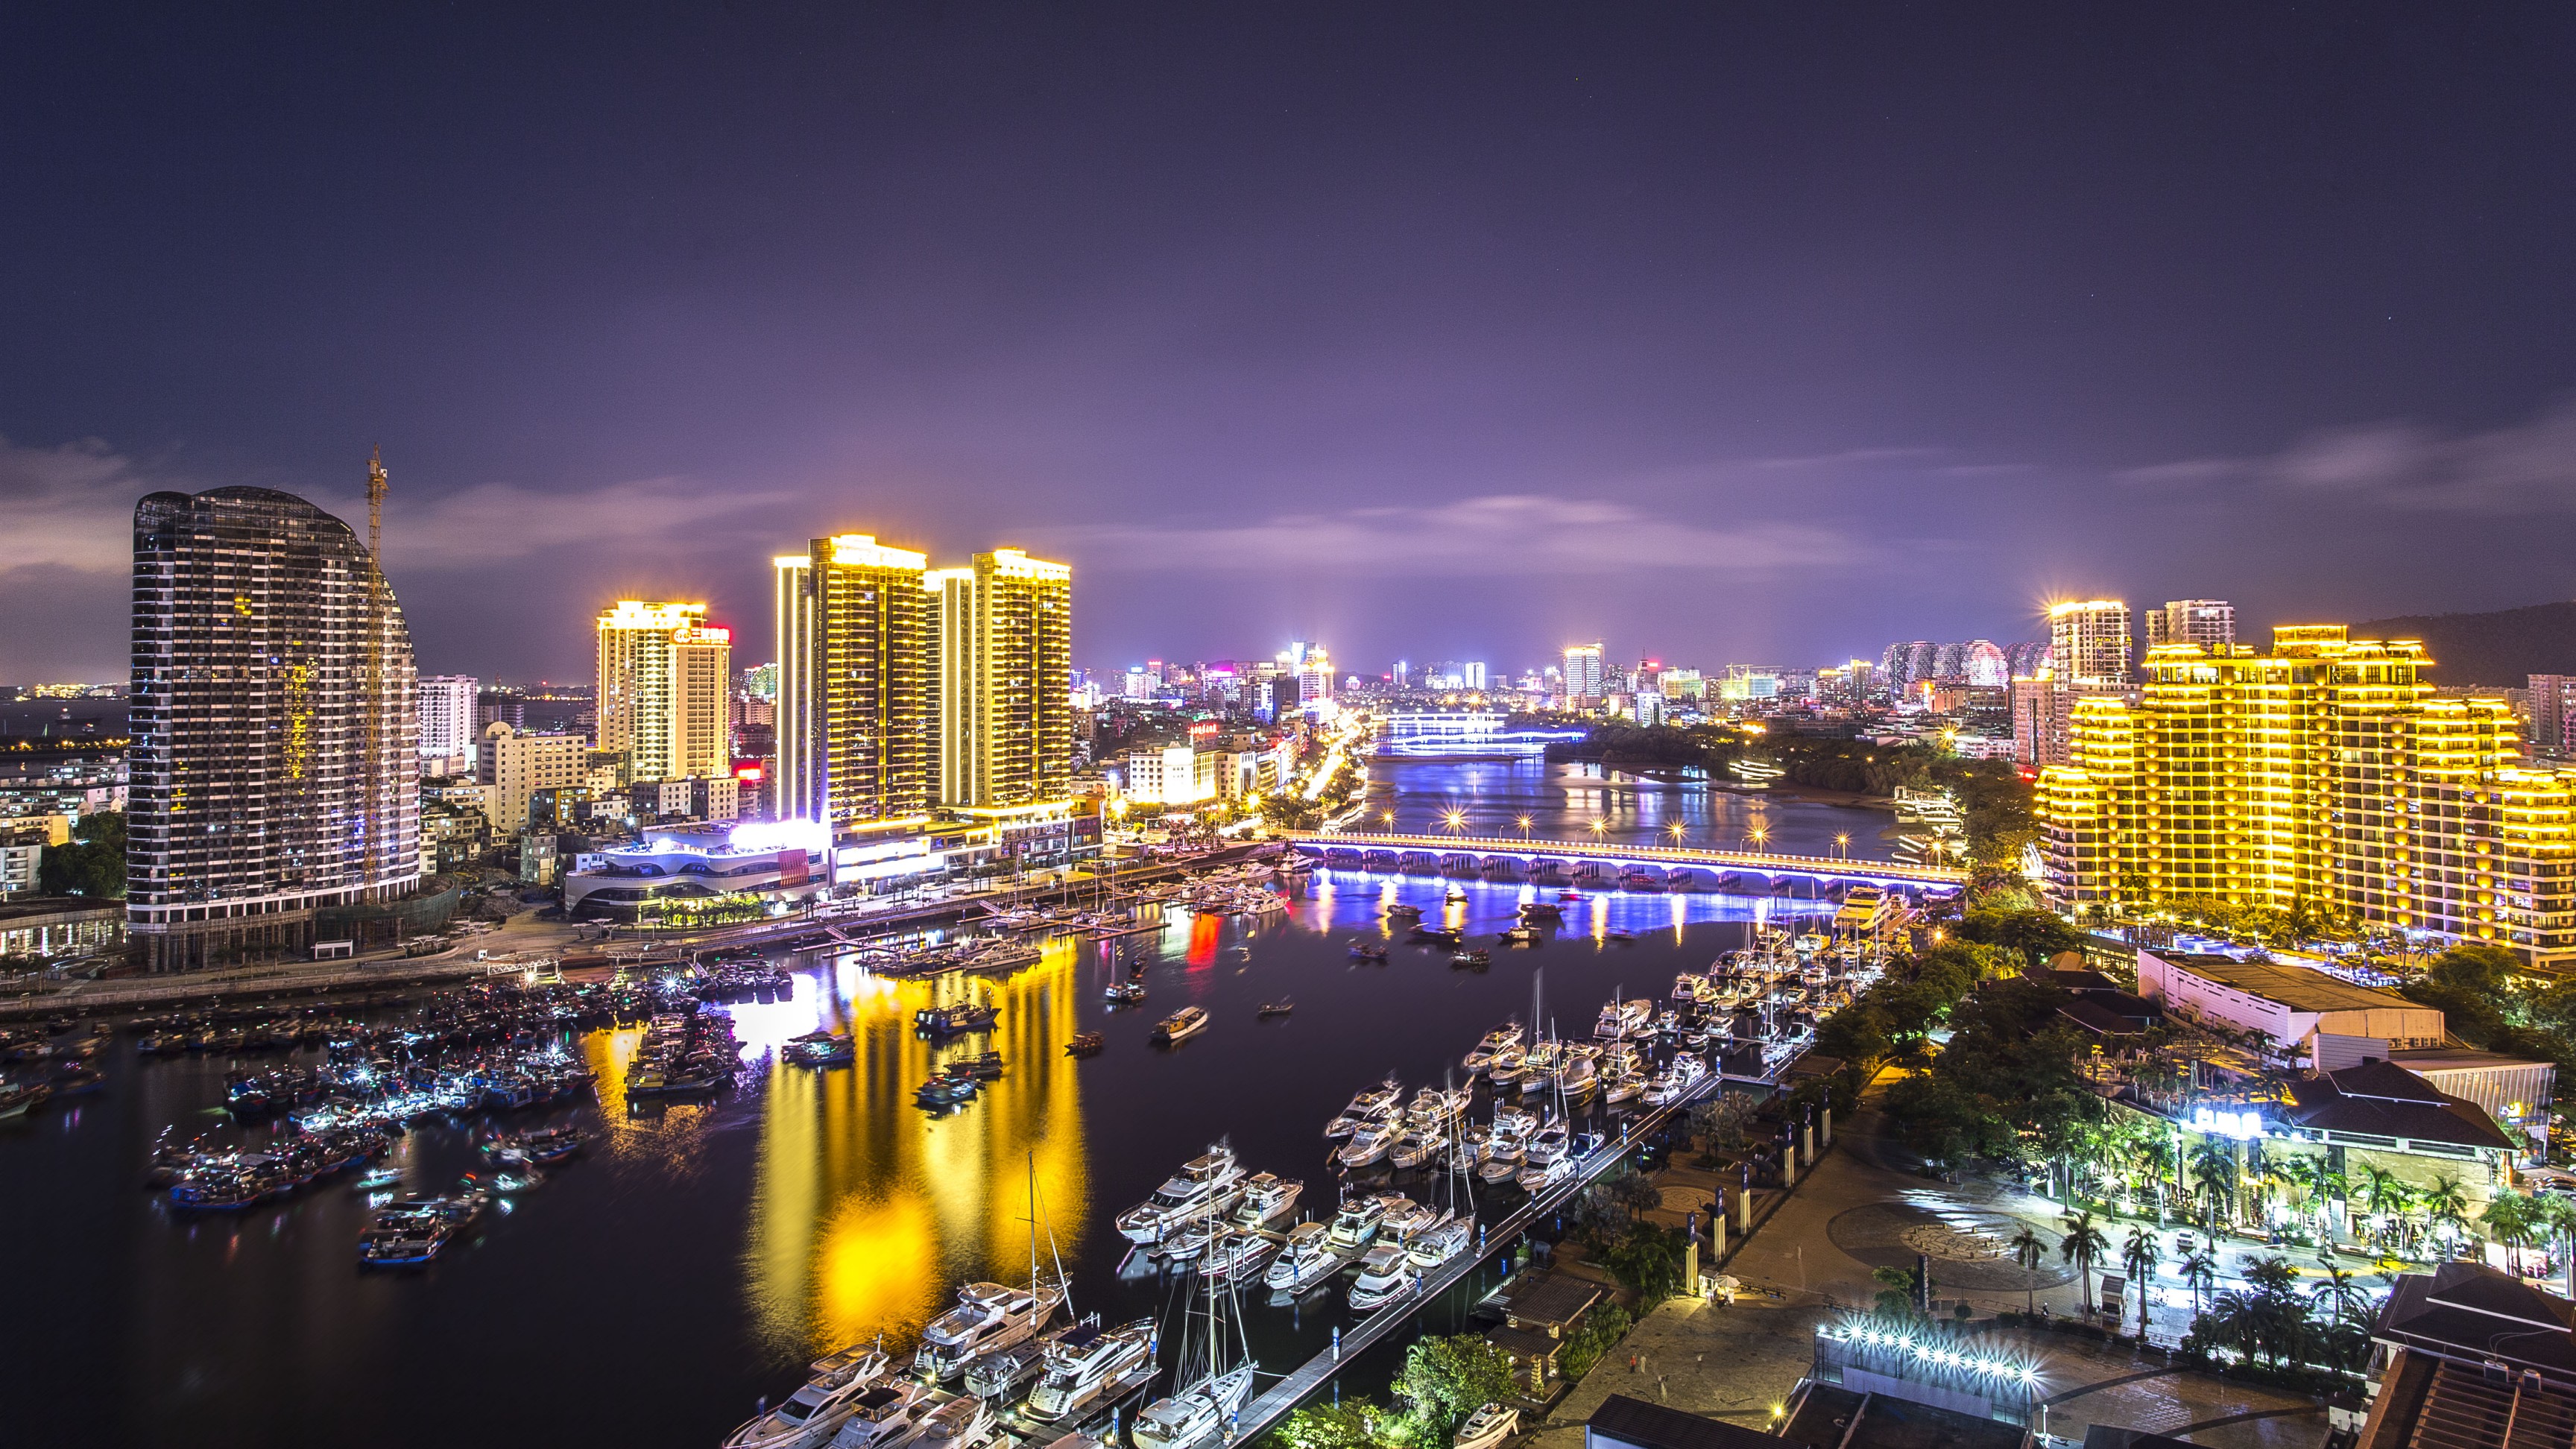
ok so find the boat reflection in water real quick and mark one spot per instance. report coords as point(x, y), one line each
point(866, 1214)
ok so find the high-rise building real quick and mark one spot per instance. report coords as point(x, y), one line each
point(447, 718)
point(2209, 623)
point(854, 629)
point(2089, 642)
point(1002, 692)
point(665, 680)
point(276, 734)
point(2549, 721)
point(2326, 772)
point(1583, 671)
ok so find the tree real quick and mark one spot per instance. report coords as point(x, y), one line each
point(1895, 1296)
point(2029, 1252)
point(2340, 1295)
point(2213, 1165)
point(1328, 1426)
point(2140, 1257)
point(1600, 1328)
point(2199, 1270)
point(2082, 1246)
point(92, 864)
point(1647, 1260)
point(2446, 1204)
point(2515, 1221)
point(1445, 1379)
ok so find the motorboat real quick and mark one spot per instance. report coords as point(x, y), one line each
point(1181, 1025)
point(1370, 1144)
point(1403, 908)
point(1199, 1413)
point(1374, 1105)
point(1440, 1242)
point(1544, 910)
point(1505, 1066)
point(1624, 1018)
point(1238, 1252)
point(1404, 1217)
point(1412, 1150)
point(1501, 1038)
point(1368, 951)
point(1085, 1044)
point(1502, 1156)
point(1537, 1176)
point(814, 1412)
point(987, 1316)
point(1434, 1109)
point(1576, 1073)
point(1207, 1183)
point(1267, 1198)
point(1385, 1273)
point(1125, 993)
point(1676, 1080)
point(963, 1422)
point(955, 1020)
point(1690, 986)
point(882, 1416)
point(1305, 1259)
point(1356, 1224)
point(1488, 1427)
point(1087, 1365)
point(1548, 1144)
point(1519, 1121)
point(1471, 956)
point(1192, 1238)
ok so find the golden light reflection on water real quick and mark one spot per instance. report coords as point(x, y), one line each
point(867, 1209)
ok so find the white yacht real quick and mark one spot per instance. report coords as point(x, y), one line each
point(1239, 1253)
point(1519, 1121)
point(988, 1316)
point(883, 1416)
point(1370, 1144)
point(1690, 986)
point(1622, 1082)
point(1488, 1427)
point(1267, 1198)
point(1385, 1273)
point(1577, 1074)
point(1505, 1065)
point(1356, 1224)
point(1373, 1105)
point(1624, 1018)
point(1548, 1145)
point(1192, 1238)
point(1305, 1259)
point(810, 1415)
point(1434, 1109)
point(964, 1422)
point(1500, 1039)
point(1209, 1182)
point(1539, 1176)
point(1087, 1365)
point(1404, 1217)
point(1181, 1025)
point(1441, 1241)
point(1675, 1081)
point(1212, 1376)
point(1412, 1150)
point(1504, 1153)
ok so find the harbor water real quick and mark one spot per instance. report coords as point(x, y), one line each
point(691, 1262)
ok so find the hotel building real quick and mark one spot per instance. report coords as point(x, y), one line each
point(275, 728)
point(855, 735)
point(665, 681)
point(1003, 693)
point(2324, 772)
point(2089, 642)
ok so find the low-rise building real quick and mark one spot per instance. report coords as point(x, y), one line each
point(2290, 1004)
point(2464, 1351)
point(695, 867)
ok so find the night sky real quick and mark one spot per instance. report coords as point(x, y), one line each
point(1723, 333)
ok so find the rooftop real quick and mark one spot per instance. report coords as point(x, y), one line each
point(1827, 1417)
point(1652, 1426)
point(2382, 1099)
point(2292, 986)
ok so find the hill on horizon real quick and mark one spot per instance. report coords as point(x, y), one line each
point(2495, 650)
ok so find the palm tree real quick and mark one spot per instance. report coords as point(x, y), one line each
point(2385, 1196)
point(2340, 1295)
point(2029, 1252)
point(2082, 1246)
point(2515, 1221)
point(2559, 1216)
point(2308, 1174)
point(2199, 1269)
point(2447, 1204)
point(2213, 1165)
point(2140, 1256)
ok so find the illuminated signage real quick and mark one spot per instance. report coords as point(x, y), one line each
point(2243, 1126)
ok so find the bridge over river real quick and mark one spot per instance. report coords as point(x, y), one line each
point(1611, 863)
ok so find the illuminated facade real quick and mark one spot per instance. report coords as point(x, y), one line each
point(1582, 671)
point(447, 717)
point(2089, 642)
point(855, 644)
point(515, 764)
point(2209, 623)
point(2325, 772)
point(275, 729)
point(665, 681)
point(1003, 680)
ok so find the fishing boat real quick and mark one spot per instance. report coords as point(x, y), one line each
point(1471, 956)
point(956, 1019)
point(18, 1101)
point(1212, 1181)
point(1305, 1259)
point(820, 1049)
point(812, 1414)
point(1277, 1008)
point(1088, 1365)
point(1488, 1427)
point(1403, 908)
point(1181, 1025)
point(1085, 1044)
point(1125, 993)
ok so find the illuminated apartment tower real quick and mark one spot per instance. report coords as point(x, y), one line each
point(275, 733)
point(2089, 642)
point(2209, 623)
point(2309, 774)
point(855, 640)
point(1583, 671)
point(664, 682)
point(1003, 681)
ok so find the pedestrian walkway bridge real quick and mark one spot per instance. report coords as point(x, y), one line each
point(1611, 863)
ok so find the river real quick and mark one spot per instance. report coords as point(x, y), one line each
point(696, 1257)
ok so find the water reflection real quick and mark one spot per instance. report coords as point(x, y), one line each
point(861, 1216)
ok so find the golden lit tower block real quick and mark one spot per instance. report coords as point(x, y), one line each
point(2302, 774)
point(664, 681)
point(854, 632)
point(1003, 690)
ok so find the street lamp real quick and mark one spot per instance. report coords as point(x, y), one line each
point(1599, 826)
point(1842, 846)
point(1453, 819)
point(1524, 823)
point(1676, 831)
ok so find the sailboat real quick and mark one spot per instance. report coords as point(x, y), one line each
point(1214, 1377)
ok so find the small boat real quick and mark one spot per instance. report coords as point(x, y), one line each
point(1181, 1025)
point(1456, 896)
point(1488, 1427)
point(1542, 911)
point(1401, 908)
point(1368, 950)
point(1086, 1044)
point(1126, 993)
point(955, 1020)
point(1471, 957)
point(1435, 935)
point(1277, 1008)
point(1618, 935)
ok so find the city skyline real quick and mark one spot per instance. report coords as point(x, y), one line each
point(1723, 360)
